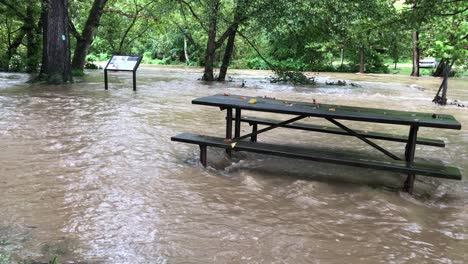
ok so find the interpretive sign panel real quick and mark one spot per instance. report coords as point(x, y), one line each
point(123, 63)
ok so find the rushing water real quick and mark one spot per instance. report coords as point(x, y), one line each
point(92, 176)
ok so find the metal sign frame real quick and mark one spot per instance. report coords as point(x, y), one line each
point(135, 68)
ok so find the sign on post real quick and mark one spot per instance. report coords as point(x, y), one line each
point(122, 63)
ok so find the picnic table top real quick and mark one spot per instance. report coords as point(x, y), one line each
point(375, 115)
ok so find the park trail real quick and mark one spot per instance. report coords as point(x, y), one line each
point(91, 176)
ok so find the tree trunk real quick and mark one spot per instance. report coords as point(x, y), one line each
point(211, 44)
point(361, 61)
point(415, 71)
point(342, 57)
point(228, 53)
point(439, 72)
point(56, 66)
point(187, 58)
point(13, 45)
point(83, 42)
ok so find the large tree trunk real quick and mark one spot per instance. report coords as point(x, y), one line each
point(211, 44)
point(228, 52)
point(361, 59)
point(415, 71)
point(84, 41)
point(56, 66)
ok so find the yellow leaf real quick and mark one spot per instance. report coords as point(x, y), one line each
point(253, 101)
point(233, 144)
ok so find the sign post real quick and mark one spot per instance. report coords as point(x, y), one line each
point(122, 63)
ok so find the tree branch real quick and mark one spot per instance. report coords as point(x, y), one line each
point(73, 30)
point(12, 7)
point(119, 12)
point(256, 50)
point(194, 14)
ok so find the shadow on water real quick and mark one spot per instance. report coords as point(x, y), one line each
point(92, 176)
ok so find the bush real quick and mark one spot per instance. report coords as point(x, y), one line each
point(17, 64)
point(295, 77)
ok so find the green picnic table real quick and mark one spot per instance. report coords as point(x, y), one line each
point(295, 111)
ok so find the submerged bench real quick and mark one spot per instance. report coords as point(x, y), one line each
point(254, 121)
point(322, 155)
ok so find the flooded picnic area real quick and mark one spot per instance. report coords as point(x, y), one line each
point(92, 176)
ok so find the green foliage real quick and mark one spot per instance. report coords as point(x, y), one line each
point(54, 260)
point(78, 73)
point(294, 77)
point(292, 35)
point(4, 258)
point(90, 64)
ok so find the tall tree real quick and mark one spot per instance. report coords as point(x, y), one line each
point(56, 66)
point(85, 39)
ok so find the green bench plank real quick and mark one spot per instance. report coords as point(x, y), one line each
point(338, 131)
point(330, 156)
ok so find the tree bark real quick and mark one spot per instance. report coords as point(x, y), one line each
point(84, 41)
point(187, 58)
point(56, 66)
point(210, 53)
point(415, 71)
point(439, 72)
point(228, 52)
point(361, 59)
point(342, 57)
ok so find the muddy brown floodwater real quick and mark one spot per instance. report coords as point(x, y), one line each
point(92, 176)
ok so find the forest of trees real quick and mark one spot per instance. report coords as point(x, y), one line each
point(57, 37)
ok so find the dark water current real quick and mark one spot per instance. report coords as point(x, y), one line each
point(92, 176)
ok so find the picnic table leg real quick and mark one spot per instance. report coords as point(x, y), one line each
point(237, 127)
point(409, 157)
point(253, 138)
point(228, 127)
point(203, 155)
point(228, 123)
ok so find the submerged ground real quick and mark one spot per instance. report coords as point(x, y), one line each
point(92, 176)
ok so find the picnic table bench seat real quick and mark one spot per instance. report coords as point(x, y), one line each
point(334, 156)
point(338, 131)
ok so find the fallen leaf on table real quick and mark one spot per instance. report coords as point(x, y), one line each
point(233, 144)
point(242, 97)
point(331, 109)
point(253, 101)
